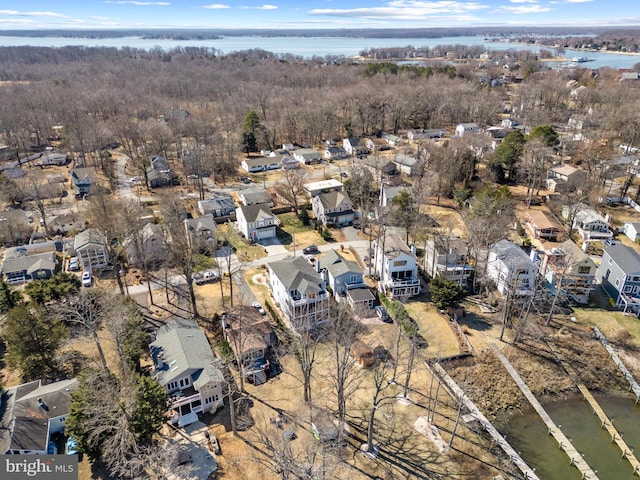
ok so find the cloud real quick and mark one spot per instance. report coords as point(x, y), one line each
point(216, 6)
point(405, 9)
point(523, 10)
point(263, 7)
point(32, 14)
point(523, 1)
point(134, 2)
point(579, 1)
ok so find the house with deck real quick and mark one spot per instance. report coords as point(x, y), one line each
point(24, 263)
point(568, 268)
point(543, 226)
point(32, 415)
point(396, 267)
point(346, 279)
point(300, 292)
point(447, 257)
point(184, 364)
point(250, 336)
point(564, 178)
point(511, 269)
point(619, 276)
point(220, 204)
point(201, 233)
point(91, 249)
point(590, 224)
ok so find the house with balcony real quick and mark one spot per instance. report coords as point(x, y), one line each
point(31, 414)
point(446, 257)
point(543, 226)
point(589, 223)
point(396, 268)
point(300, 293)
point(256, 222)
point(91, 249)
point(250, 336)
point(568, 268)
point(186, 367)
point(201, 233)
point(333, 209)
point(619, 276)
point(511, 269)
point(346, 279)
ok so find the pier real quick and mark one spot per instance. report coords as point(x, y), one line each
point(627, 452)
point(456, 392)
point(563, 442)
point(633, 385)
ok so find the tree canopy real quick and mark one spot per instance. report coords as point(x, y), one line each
point(444, 292)
point(53, 289)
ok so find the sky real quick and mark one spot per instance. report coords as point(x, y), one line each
point(309, 14)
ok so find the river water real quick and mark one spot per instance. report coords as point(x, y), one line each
point(308, 47)
point(528, 434)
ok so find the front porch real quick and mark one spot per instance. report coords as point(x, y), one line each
point(185, 406)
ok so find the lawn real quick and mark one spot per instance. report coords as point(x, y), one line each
point(242, 248)
point(291, 227)
point(608, 321)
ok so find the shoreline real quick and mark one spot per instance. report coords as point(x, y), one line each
point(550, 47)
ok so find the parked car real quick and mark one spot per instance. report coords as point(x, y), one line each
point(74, 266)
point(310, 250)
point(206, 276)
point(135, 179)
point(311, 259)
point(245, 180)
point(382, 313)
point(87, 280)
point(609, 241)
point(258, 306)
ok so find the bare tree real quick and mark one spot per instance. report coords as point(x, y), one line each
point(381, 395)
point(292, 187)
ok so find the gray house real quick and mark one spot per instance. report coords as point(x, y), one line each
point(26, 263)
point(344, 277)
point(91, 248)
point(186, 367)
point(82, 179)
point(619, 275)
point(333, 209)
point(219, 205)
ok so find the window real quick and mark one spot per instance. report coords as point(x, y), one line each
point(311, 295)
point(354, 279)
point(399, 263)
point(584, 270)
point(617, 282)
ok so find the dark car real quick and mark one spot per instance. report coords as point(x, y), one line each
point(382, 313)
point(310, 250)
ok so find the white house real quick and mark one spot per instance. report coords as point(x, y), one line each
point(256, 222)
point(632, 230)
point(300, 293)
point(323, 186)
point(406, 164)
point(391, 139)
point(511, 269)
point(31, 414)
point(186, 367)
point(589, 223)
point(467, 128)
point(569, 269)
point(396, 267)
point(334, 153)
point(91, 249)
point(260, 164)
point(333, 209)
point(307, 155)
point(354, 146)
point(388, 193)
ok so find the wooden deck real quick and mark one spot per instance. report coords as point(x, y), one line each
point(627, 452)
point(633, 384)
point(563, 442)
point(456, 392)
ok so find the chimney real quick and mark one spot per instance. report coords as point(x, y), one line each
point(159, 362)
point(43, 405)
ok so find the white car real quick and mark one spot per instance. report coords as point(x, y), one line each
point(87, 280)
point(205, 277)
point(258, 307)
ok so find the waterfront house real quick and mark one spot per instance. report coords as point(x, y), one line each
point(619, 276)
point(396, 267)
point(511, 269)
point(543, 226)
point(568, 268)
point(446, 257)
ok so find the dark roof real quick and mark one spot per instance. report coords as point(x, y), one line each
point(253, 212)
point(296, 274)
point(360, 294)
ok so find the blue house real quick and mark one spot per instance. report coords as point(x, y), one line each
point(619, 276)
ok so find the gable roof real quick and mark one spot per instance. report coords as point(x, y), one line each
point(543, 221)
point(337, 265)
point(88, 237)
point(626, 258)
point(588, 215)
point(512, 256)
point(246, 329)
point(333, 200)
point(255, 195)
point(394, 246)
point(200, 224)
point(83, 175)
point(252, 213)
point(296, 274)
point(183, 349)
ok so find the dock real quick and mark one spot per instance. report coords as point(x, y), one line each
point(563, 442)
point(627, 452)
point(633, 384)
point(456, 392)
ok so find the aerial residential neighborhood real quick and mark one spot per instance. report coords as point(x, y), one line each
point(378, 282)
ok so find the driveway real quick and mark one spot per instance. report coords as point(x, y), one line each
point(192, 439)
point(273, 246)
